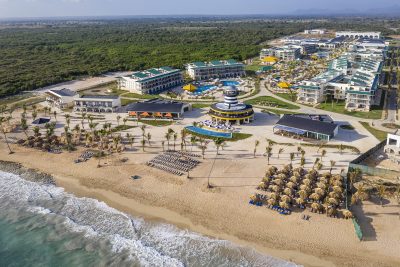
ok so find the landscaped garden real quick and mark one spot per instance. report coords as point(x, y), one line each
point(339, 107)
point(269, 101)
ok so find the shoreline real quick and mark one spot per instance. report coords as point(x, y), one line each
point(188, 205)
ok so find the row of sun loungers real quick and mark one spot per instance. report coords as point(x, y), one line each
point(164, 168)
point(175, 162)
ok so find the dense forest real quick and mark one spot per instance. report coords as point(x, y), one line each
point(33, 57)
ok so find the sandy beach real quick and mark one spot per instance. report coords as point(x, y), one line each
point(222, 212)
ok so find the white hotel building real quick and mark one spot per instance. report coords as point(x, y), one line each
point(215, 69)
point(151, 81)
point(285, 52)
point(357, 35)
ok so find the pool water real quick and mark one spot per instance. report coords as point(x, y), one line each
point(230, 83)
point(208, 132)
point(203, 88)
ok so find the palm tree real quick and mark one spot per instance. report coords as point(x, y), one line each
point(34, 115)
point(183, 137)
point(24, 126)
point(118, 119)
point(333, 163)
point(219, 142)
point(341, 148)
point(124, 120)
point(256, 143)
point(163, 145)
point(175, 136)
point(4, 132)
point(268, 153)
point(149, 138)
point(193, 141)
point(323, 153)
point(280, 151)
point(381, 190)
point(143, 142)
point(302, 161)
point(203, 148)
point(361, 194)
point(315, 163)
point(291, 158)
point(299, 149)
point(167, 137)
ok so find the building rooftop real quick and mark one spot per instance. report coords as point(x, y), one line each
point(63, 92)
point(155, 105)
point(100, 96)
point(307, 124)
point(198, 64)
point(152, 73)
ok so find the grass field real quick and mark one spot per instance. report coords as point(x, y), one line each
point(374, 113)
point(139, 96)
point(380, 135)
point(269, 101)
point(200, 105)
point(291, 97)
point(279, 112)
point(235, 136)
point(126, 101)
point(157, 123)
point(253, 67)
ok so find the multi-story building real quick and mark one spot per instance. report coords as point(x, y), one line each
point(315, 31)
point(151, 81)
point(314, 90)
point(215, 69)
point(361, 92)
point(356, 35)
point(62, 98)
point(286, 52)
point(97, 103)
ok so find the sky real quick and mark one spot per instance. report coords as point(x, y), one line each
point(55, 8)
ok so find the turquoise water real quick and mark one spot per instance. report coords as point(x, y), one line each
point(230, 83)
point(208, 132)
point(41, 225)
point(203, 88)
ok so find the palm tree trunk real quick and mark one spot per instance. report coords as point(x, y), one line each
point(8, 145)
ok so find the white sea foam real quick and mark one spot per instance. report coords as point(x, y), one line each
point(144, 243)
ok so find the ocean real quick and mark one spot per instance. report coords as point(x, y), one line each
point(41, 225)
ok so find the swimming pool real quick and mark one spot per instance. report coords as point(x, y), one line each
point(208, 132)
point(230, 83)
point(203, 88)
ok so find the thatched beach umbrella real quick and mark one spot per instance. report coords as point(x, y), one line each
point(290, 185)
point(278, 182)
point(316, 207)
point(273, 196)
point(338, 189)
point(333, 201)
point(262, 186)
point(294, 179)
point(322, 185)
point(319, 191)
point(303, 194)
point(286, 198)
point(307, 182)
point(300, 201)
point(271, 202)
point(337, 183)
point(334, 195)
point(288, 191)
point(347, 214)
point(315, 196)
point(284, 205)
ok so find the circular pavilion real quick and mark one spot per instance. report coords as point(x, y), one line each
point(231, 111)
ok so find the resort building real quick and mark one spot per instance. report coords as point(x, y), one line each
point(392, 147)
point(357, 35)
point(151, 81)
point(231, 111)
point(215, 69)
point(157, 109)
point(97, 103)
point(314, 90)
point(315, 31)
point(62, 98)
point(286, 52)
point(306, 126)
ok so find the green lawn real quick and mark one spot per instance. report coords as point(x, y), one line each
point(374, 113)
point(115, 91)
point(157, 123)
point(380, 135)
point(291, 97)
point(279, 112)
point(125, 101)
point(269, 101)
point(391, 125)
point(122, 128)
point(253, 67)
point(200, 105)
point(139, 96)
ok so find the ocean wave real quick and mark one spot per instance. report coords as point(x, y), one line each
point(131, 240)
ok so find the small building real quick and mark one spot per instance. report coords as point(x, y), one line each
point(151, 81)
point(310, 126)
point(392, 147)
point(97, 103)
point(315, 31)
point(286, 52)
point(215, 69)
point(61, 98)
point(157, 109)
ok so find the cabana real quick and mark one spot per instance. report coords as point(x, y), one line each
point(190, 87)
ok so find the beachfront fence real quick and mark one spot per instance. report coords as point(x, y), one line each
point(384, 173)
point(357, 229)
